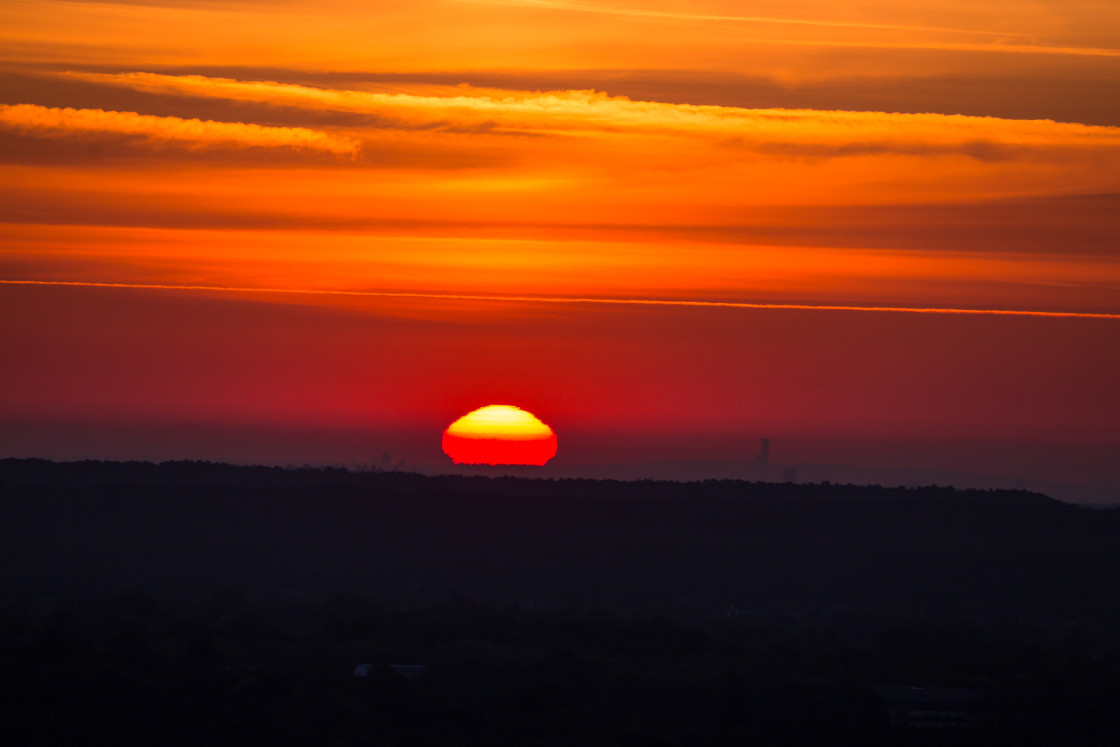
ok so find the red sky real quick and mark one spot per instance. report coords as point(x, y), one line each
point(949, 155)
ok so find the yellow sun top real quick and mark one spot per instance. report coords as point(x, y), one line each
point(499, 421)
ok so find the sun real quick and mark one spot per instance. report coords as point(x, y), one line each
point(499, 434)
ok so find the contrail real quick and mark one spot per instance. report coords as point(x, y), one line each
point(948, 47)
point(573, 300)
point(678, 16)
point(933, 46)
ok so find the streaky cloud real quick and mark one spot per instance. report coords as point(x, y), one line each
point(575, 300)
point(1024, 49)
point(821, 133)
point(934, 45)
point(193, 133)
point(726, 18)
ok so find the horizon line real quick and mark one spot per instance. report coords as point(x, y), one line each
point(501, 298)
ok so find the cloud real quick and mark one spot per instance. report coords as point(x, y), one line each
point(810, 132)
point(642, 12)
point(998, 45)
point(696, 303)
point(191, 133)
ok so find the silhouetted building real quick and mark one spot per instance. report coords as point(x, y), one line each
point(763, 458)
point(789, 474)
point(930, 707)
point(408, 671)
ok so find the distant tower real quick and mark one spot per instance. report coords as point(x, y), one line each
point(763, 459)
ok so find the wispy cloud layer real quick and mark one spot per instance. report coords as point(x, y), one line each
point(191, 133)
point(695, 303)
point(817, 133)
point(647, 12)
point(928, 37)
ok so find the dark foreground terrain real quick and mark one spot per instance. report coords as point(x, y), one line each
point(191, 603)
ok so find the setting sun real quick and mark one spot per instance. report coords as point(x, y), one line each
point(499, 434)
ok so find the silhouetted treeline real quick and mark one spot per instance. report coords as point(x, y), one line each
point(692, 550)
point(195, 603)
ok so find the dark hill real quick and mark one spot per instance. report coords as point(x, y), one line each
point(190, 603)
point(692, 550)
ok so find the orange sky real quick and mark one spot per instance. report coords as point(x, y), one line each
point(955, 155)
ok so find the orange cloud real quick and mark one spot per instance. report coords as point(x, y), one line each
point(807, 131)
point(192, 133)
point(878, 21)
point(328, 262)
point(646, 12)
point(806, 39)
